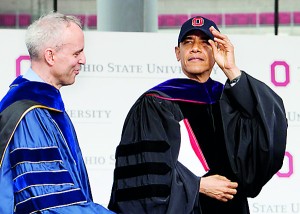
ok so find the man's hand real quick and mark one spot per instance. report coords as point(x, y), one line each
point(223, 52)
point(218, 187)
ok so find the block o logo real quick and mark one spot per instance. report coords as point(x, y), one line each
point(288, 167)
point(280, 70)
point(19, 61)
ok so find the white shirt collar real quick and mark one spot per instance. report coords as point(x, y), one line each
point(32, 76)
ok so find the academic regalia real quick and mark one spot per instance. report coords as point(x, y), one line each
point(241, 131)
point(42, 168)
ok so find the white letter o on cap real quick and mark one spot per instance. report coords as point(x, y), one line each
point(198, 22)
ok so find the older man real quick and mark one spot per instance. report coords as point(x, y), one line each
point(41, 168)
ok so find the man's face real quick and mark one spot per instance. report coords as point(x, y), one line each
point(195, 55)
point(68, 57)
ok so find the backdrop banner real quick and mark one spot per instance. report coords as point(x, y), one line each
point(121, 66)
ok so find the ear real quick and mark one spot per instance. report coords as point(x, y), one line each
point(177, 52)
point(49, 56)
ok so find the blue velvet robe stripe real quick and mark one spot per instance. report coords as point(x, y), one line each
point(188, 90)
point(34, 155)
point(42, 178)
point(50, 201)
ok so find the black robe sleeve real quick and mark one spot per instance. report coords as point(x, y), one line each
point(255, 128)
point(147, 177)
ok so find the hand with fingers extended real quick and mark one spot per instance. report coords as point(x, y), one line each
point(223, 52)
point(218, 187)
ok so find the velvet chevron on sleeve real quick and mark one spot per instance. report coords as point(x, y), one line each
point(148, 178)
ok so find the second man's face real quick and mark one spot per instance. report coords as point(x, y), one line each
point(195, 54)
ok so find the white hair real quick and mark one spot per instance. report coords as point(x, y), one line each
point(47, 32)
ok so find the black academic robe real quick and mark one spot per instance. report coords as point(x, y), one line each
point(241, 131)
